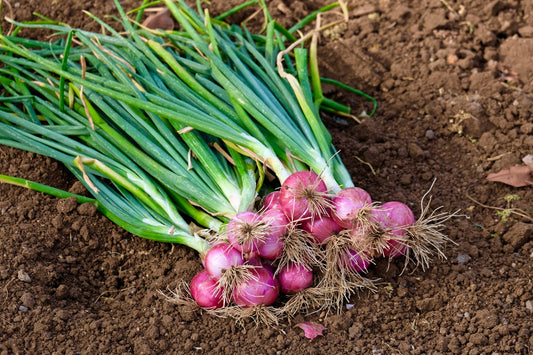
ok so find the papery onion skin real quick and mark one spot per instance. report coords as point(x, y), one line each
point(205, 292)
point(270, 267)
point(396, 218)
point(395, 248)
point(348, 204)
point(321, 229)
point(253, 258)
point(241, 224)
point(294, 277)
point(261, 288)
point(356, 261)
point(293, 193)
point(271, 201)
point(221, 257)
point(272, 246)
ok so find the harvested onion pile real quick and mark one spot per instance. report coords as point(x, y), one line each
point(310, 246)
point(194, 126)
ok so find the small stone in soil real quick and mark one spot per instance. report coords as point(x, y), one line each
point(23, 276)
point(463, 258)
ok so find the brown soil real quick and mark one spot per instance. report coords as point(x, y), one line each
point(454, 82)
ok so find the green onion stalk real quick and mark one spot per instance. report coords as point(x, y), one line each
point(168, 127)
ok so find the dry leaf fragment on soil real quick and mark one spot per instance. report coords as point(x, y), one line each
point(160, 20)
point(311, 330)
point(517, 176)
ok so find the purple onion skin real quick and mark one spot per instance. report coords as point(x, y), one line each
point(272, 247)
point(321, 229)
point(294, 206)
point(396, 217)
point(395, 248)
point(294, 278)
point(348, 203)
point(271, 201)
point(355, 261)
point(233, 231)
point(355, 194)
point(204, 292)
point(221, 257)
point(269, 267)
point(253, 259)
point(260, 289)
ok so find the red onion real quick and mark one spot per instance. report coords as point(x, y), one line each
point(260, 288)
point(205, 292)
point(253, 258)
point(321, 228)
point(348, 205)
point(369, 239)
point(294, 277)
point(271, 201)
point(276, 222)
point(396, 218)
point(245, 231)
point(395, 248)
point(303, 195)
point(269, 267)
point(356, 261)
point(221, 257)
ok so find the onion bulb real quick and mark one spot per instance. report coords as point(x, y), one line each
point(304, 195)
point(349, 206)
point(321, 229)
point(221, 257)
point(276, 222)
point(396, 218)
point(294, 278)
point(205, 292)
point(259, 288)
point(245, 231)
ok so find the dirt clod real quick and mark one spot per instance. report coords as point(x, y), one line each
point(519, 234)
point(27, 300)
point(67, 205)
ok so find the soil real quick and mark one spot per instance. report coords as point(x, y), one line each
point(454, 84)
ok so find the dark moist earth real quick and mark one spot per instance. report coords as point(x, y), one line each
point(454, 83)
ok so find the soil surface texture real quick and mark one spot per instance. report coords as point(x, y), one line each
point(454, 85)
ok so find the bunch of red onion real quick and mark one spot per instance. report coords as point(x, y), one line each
point(304, 243)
